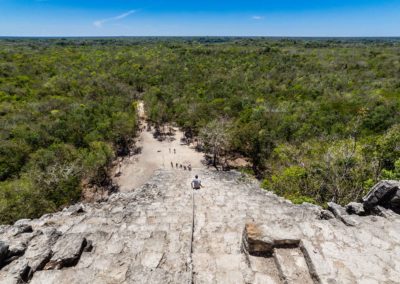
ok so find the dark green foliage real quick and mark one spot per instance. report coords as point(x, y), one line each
point(64, 112)
point(321, 108)
point(13, 155)
point(319, 119)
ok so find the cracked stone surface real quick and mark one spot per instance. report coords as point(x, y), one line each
point(241, 234)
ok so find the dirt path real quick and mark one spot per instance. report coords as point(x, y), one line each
point(137, 169)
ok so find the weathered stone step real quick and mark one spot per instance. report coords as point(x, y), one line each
point(292, 266)
point(218, 268)
point(264, 269)
point(145, 236)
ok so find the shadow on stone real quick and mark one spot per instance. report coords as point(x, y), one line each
point(291, 264)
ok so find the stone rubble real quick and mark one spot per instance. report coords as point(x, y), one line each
point(355, 208)
point(341, 213)
point(66, 252)
point(385, 193)
point(238, 234)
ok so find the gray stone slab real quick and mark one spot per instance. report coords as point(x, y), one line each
point(145, 236)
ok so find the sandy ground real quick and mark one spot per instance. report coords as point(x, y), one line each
point(136, 170)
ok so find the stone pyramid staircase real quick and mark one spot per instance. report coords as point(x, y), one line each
point(230, 231)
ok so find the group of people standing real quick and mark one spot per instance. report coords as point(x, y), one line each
point(179, 165)
point(182, 166)
point(196, 182)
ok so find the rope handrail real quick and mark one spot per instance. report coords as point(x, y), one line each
point(191, 242)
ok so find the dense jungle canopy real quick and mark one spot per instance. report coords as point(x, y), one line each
point(318, 119)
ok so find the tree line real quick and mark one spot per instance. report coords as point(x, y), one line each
point(64, 116)
point(318, 120)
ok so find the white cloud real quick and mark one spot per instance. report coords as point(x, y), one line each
point(257, 17)
point(100, 23)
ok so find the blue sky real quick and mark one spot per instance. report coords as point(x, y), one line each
point(199, 18)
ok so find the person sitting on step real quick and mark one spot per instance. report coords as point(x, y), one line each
point(196, 183)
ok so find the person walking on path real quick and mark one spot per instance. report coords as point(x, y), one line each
point(196, 183)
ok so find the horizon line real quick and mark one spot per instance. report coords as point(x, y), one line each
point(193, 36)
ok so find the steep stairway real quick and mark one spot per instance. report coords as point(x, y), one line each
point(230, 231)
point(138, 237)
point(222, 209)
